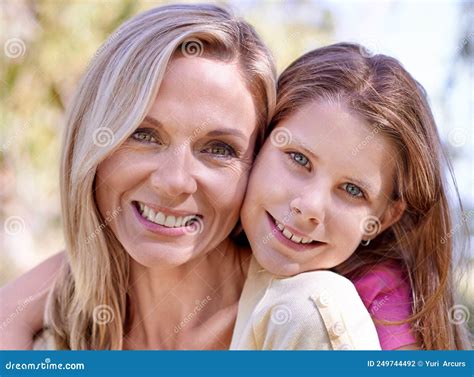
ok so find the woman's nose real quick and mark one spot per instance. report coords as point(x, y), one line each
point(175, 176)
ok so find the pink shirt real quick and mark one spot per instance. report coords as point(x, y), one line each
point(386, 293)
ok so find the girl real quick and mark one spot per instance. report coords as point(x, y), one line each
point(349, 181)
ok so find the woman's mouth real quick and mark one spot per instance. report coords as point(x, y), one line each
point(167, 224)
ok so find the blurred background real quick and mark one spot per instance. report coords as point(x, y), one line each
point(46, 46)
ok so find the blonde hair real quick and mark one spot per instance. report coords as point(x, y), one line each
point(89, 301)
point(380, 90)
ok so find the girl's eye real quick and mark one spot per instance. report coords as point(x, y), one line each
point(220, 150)
point(144, 135)
point(353, 190)
point(300, 159)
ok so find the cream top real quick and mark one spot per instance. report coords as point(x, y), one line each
point(317, 310)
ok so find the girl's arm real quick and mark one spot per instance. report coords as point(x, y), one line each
point(22, 304)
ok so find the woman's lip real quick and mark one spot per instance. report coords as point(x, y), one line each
point(285, 241)
point(160, 229)
point(167, 211)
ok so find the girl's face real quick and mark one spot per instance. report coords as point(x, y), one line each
point(321, 184)
point(185, 167)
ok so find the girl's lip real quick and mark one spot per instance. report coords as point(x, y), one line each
point(285, 241)
point(160, 229)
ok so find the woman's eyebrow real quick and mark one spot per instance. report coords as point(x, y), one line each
point(219, 132)
point(153, 121)
point(227, 131)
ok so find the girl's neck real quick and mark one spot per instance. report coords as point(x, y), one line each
point(188, 306)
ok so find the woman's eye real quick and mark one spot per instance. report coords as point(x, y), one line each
point(220, 150)
point(144, 136)
point(353, 190)
point(300, 159)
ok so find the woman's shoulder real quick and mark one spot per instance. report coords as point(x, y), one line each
point(23, 303)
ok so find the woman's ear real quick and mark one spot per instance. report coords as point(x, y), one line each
point(392, 214)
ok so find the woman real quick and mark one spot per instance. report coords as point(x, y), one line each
point(165, 123)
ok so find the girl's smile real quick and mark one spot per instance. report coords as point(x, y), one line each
point(309, 196)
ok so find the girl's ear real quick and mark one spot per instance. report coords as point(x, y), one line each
point(392, 214)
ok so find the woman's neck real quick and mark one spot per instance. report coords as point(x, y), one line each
point(187, 307)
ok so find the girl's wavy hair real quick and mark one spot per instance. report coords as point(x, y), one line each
point(391, 101)
point(87, 307)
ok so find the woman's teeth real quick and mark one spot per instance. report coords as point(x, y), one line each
point(160, 218)
point(291, 236)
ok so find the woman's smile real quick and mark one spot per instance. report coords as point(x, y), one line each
point(167, 222)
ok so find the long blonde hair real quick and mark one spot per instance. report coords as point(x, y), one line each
point(380, 90)
point(87, 307)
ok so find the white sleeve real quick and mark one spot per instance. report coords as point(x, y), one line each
point(314, 311)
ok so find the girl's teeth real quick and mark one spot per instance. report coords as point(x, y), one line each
point(296, 239)
point(161, 219)
point(287, 233)
point(290, 235)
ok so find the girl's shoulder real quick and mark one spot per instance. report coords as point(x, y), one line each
point(386, 292)
point(384, 278)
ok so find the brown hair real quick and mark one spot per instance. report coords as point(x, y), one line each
point(380, 90)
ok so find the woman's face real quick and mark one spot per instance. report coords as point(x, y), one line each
point(185, 167)
point(320, 185)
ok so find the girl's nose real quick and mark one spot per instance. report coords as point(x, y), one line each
point(309, 205)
